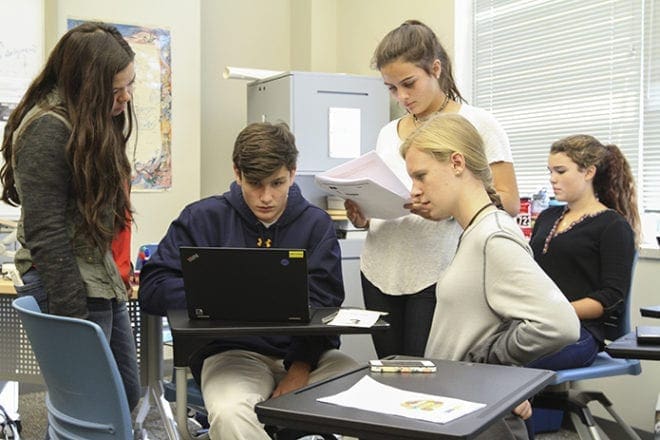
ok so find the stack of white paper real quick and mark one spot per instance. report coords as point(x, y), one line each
point(370, 183)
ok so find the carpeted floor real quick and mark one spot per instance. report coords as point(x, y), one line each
point(32, 412)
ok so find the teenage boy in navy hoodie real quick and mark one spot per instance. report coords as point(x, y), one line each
point(263, 208)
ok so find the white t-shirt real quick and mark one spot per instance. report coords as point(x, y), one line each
point(405, 255)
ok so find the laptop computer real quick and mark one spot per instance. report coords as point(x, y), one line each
point(246, 284)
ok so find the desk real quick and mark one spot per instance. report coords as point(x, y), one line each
point(17, 361)
point(627, 347)
point(14, 365)
point(188, 336)
point(501, 388)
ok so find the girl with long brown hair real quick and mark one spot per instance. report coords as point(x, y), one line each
point(65, 164)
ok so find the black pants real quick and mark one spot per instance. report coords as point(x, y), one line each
point(409, 317)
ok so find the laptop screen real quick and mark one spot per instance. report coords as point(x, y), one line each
point(246, 284)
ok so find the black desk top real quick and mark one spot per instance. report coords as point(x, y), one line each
point(191, 335)
point(627, 347)
point(501, 388)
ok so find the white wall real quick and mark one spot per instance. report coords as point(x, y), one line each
point(361, 24)
point(155, 210)
point(254, 33)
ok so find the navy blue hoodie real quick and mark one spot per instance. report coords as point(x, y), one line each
point(227, 220)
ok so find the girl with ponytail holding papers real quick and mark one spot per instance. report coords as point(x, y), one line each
point(404, 257)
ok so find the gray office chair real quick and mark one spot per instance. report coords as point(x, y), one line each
point(86, 397)
point(575, 401)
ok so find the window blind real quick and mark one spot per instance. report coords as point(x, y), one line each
point(651, 122)
point(551, 68)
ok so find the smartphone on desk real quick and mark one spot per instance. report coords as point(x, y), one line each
point(402, 366)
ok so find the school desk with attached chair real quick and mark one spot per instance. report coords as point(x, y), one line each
point(501, 388)
point(191, 335)
point(627, 347)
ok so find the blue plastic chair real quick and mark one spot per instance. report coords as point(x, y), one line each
point(575, 401)
point(85, 397)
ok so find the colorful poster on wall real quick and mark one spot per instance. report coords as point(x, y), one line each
point(150, 146)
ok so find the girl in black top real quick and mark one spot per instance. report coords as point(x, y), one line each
point(588, 246)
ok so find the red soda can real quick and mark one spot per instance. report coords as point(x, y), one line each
point(524, 217)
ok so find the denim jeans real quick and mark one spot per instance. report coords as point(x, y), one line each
point(409, 317)
point(114, 320)
point(579, 354)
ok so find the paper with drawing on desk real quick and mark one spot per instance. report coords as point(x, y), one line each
point(370, 395)
point(370, 183)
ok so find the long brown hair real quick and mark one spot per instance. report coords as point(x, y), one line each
point(81, 69)
point(614, 184)
point(414, 42)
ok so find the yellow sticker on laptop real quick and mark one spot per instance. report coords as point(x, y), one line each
point(296, 254)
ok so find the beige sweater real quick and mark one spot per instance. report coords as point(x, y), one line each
point(493, 279)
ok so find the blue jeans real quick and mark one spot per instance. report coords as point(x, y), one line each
point(114, 320)
point(579, 354)
point(409, 317)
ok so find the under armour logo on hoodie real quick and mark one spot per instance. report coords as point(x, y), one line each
point(264, 243)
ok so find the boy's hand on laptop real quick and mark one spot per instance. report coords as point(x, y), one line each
point(296, 378)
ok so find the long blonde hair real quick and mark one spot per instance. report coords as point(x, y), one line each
point(448, 133)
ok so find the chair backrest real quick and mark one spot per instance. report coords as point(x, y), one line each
point(86, 397)
point(617, 323)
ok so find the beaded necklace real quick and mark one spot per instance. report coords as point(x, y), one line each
point(419, 121)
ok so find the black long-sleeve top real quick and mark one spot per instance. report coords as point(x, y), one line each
point(592, 259)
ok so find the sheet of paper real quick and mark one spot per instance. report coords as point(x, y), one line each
point(370, 395)
point(370, 183)
point(355, 318)
point(344, 132)
point(247, 73)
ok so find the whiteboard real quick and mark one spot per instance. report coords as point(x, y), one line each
point(21, 57)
